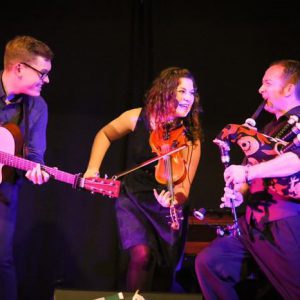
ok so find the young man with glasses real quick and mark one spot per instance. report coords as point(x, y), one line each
point(27, 63)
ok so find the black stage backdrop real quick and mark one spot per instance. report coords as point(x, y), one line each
point(106, 56)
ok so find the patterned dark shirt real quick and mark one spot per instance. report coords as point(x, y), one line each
point(279, 197)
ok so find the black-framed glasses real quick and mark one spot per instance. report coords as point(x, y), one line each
point(41, 74)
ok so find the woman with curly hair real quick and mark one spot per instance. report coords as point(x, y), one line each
point(143, 209)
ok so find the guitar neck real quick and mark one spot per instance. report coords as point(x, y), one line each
point(168, 168)
point(25, 165)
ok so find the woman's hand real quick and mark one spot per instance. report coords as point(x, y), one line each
point(91, 173)
point(164, 198)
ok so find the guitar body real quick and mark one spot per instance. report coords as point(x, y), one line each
point(11, 141)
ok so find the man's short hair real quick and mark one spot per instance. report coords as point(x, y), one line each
point(25, 48)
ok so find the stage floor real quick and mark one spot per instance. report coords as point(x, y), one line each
point(95, 295)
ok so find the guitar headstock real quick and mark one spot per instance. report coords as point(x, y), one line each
point(107, 187)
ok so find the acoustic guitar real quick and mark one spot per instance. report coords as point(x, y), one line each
point(10, 143)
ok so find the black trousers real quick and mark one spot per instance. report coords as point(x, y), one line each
point(275, 248)
point(8, 209)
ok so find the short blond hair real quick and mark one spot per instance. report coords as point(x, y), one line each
point(25, 48)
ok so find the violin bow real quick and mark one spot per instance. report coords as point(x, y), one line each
point(147, 162)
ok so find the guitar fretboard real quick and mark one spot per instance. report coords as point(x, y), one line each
point(25, 165)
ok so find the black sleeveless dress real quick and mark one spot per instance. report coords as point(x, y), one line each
point(141, 219)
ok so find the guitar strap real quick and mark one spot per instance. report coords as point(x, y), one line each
point(26, 126)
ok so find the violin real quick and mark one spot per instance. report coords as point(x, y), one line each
point(167, 142)
point(162, 141)
point(171, 168)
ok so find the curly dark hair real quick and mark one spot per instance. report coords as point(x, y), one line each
point(160, 100)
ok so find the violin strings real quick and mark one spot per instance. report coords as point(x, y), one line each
point(190, 154)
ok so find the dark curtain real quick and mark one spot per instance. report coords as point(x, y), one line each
point(106, 55)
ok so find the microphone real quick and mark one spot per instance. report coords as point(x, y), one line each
point(199, 213)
